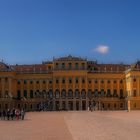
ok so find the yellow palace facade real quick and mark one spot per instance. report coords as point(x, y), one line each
point(70, 83)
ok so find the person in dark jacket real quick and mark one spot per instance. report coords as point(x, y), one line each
point(0, 114)
point(8, 114)
point(4, 114)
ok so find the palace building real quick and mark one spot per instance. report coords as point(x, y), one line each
point(70, 83)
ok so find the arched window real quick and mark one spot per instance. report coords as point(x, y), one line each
point(63, 93)
point(63, 65)
point(50, 94)
point(70, 94)
point(44, 94)
point(77, 93)
point(96, 93)
point(57, 94)
point(31, 94)
point(115, 93)
point(83, 94)
point(108, 93)
point(76, 66)
point(102, 81)
point(134, 93)
point(47, 95)
point(121, 93)
point(102, 93)
point(89, 93)
point(115, 105)
point(37, 94)
point(25, 93)
point(70, 66)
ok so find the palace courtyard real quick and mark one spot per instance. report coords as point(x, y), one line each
point(72, 125)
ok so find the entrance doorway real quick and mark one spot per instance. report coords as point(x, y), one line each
point(83, 105)
point(70, 105)
point(63, 105)
point(77, 105)
point(57, 105)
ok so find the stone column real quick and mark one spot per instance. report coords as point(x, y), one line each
point(87, 104)
point(54, 105)
point(74, 104)
point(3, 87)
point(111, 82)
point(28, 89)
point(22, 84)
point(34, 87)
point(40, 85)
point(10, 87)
point(105, 81)
point(118, 87)
point(67, 104)
point(138, 86)
point(128, 105)
point(131, 86)
point(80, 104)
point(99, 85)
point(60, 103)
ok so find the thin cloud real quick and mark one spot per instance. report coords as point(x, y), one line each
point(103, 49)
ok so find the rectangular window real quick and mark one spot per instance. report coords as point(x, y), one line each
point(83, 66)
point(70, 66)
point(18, 94)
point(70, 81)
point(56, 65)
point(76, 81)
point(63, 65)
point(25, 82)
point(134, 93)
point(121, 105)
point(25, 93)
point(31, 93)
point(89, 81)
point(63, 81)
point(83, 81)
point(76, 66)
point(57, 81)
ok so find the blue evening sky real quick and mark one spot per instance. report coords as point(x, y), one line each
point(36, 30)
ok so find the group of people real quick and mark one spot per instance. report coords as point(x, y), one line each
point(12, 114)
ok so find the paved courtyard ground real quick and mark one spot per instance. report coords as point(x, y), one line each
point(82, 125)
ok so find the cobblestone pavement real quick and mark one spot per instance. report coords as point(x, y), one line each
point(82, 125)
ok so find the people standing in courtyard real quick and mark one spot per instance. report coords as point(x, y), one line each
point(0, 114)
point(14, 113)
point(88, 108)
point(22, 114)
point(11, 114)
point(4, 114)
point(17, 114)
point(8, 114)
point(91, 108)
